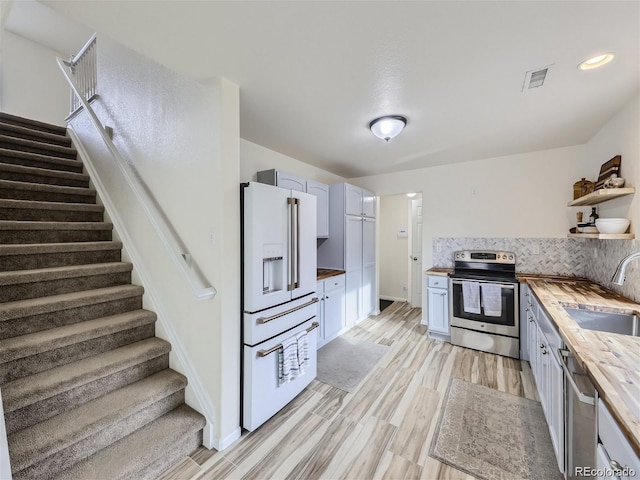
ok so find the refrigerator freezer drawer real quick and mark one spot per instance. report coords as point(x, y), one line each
point(260, 326)
point(262, 396)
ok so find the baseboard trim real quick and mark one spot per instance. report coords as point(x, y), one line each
point(392, 299)
point(223, 443)
point(203, 403)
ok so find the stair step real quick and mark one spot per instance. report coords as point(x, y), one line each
point(34, 124)
point(21, 173)
point(42, 282)
point(28, 316)
point(23, 145)
point(34, 134)
point(29, 159)
point(38, 211)
point(146, 453)
point(40, 351)
point(48, 255)
point(45, 449)
point(48, 193)
point(13, 232)
point(35, 398)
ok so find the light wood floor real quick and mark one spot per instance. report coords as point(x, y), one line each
point(382, 430)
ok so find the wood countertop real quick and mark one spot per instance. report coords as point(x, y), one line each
point(324, 273)
point(611, 360)
point(445, 272)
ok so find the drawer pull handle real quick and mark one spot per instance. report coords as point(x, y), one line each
point(282, 314)
point(616, 465)
point(264, 353)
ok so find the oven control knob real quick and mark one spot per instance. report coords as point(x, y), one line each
point(462, 255)
point(510, 257)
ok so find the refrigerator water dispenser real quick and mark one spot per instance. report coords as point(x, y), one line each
point(272, 268)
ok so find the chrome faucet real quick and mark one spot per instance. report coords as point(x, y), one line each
point(619, 277)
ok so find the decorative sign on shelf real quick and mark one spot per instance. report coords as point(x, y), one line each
point(608, 169)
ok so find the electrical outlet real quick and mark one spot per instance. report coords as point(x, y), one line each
point(404, 287)
point(438, 248)
point(536, 249)
point(212, 236)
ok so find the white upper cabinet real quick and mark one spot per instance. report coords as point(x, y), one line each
point(291, 182)
point(321, 191)
point(368, 204)
point(359, 201)
point(353, 200)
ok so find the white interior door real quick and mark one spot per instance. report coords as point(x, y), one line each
point(416, 253)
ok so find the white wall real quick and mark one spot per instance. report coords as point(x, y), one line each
point(619, 136)
point(255, 158)
point(514, 196)
point(393, 253)
point(183, 139)
point(32, 85)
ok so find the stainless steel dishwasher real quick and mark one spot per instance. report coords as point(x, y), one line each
point(580, 419)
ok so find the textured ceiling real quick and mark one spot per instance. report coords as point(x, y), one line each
point(312, 74)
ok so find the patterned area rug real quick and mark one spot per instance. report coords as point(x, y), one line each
point(345, 361)
point(493, 435)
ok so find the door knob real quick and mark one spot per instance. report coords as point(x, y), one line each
point(415, 259)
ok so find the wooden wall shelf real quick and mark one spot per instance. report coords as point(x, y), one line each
point(603, 236)
point(600, 196)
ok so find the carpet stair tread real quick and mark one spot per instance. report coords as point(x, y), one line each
point(67, 247)
point(54, 338)
point(40, 386)
point(33, 444)
point(45, 173)
point(41, 187)
point(45, 161)
point(28, 225)
point(21, 143)
point(42, 205)
point(66, 301)
point(34, 134)
point(30, 123)
point(18, 277)
point(127, 458)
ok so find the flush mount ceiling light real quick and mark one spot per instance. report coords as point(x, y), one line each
point(597, 61)
point(387, 127)
point(411, 194)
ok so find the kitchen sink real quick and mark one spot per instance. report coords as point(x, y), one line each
point(626, 324)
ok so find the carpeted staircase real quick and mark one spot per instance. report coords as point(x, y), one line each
point(86, 387)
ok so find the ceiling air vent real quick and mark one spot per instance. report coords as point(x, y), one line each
point(535, 78)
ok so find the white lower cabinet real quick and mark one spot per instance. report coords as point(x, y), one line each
point(331, 308)
point(547, 372)
point(616, 458)
point(438, 306)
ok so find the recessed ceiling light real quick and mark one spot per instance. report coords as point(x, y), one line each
point(597, 61)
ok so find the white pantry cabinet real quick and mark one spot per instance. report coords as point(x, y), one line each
point(352, 247)
point(438, 306)
point(292, 182)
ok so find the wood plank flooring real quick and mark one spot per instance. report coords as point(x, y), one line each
point(382, 430)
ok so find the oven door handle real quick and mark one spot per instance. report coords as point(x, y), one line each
point(508, 287)
point(583, 397)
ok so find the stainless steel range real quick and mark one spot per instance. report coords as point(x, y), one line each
point(484, 302)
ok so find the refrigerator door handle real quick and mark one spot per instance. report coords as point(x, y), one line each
point(298, 272)
point(290, 203)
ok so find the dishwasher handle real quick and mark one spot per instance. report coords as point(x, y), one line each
point(583, 397)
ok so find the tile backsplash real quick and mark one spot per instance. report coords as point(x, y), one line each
point(593, 259)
